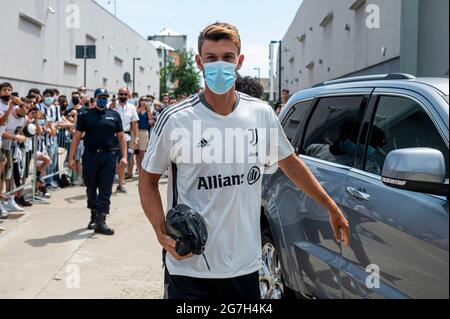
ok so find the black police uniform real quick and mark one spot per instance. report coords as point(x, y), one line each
point(100, 156)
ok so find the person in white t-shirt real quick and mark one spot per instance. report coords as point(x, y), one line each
point(211, 174)
point(12, 137)
point(6, 107)
point(130, 120)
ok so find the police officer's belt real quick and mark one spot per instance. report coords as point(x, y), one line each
point(101, 151)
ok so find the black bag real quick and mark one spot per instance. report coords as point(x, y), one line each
point(188, 228)
point(64, 181)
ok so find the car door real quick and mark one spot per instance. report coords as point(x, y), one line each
point(399, 239)
point(313, 252)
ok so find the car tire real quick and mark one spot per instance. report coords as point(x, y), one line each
point(271, 280)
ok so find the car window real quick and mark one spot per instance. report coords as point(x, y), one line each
point(332, 132)
point(296, 114)
point(400, 123)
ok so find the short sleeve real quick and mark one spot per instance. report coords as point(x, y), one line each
point(81, 123)
point(119, 126)
point(157, 157)
point(279, 147)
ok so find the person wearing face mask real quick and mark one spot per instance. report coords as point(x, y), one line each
point(130, 121)
point(165, 99)
point(104, 137)
point(53, 116)
point(227, 193)
point(6, 107)
point(76, 110)
point(12, 139)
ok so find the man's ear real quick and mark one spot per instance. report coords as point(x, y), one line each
point(198, 60)
point(240, 61)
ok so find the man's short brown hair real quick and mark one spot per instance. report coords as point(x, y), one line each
point(219, 31)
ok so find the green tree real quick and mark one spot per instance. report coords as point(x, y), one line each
point(186, 74)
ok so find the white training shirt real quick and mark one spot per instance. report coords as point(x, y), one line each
point(13, 124)
point(128, 114)
point(3, 108)
point(227, 194)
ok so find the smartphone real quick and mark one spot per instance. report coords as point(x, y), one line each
point(15, 94)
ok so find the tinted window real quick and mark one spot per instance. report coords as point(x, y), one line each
point(332, 132)
point(295, 116)
point(400, 123)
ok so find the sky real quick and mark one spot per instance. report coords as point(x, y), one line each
point(259, 22)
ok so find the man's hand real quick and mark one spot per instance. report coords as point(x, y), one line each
point(20, 139)
point(340, 227)
point(299, 173)
point(15, 100)
point(123, 162)
point(71, 164)
point(170, 245)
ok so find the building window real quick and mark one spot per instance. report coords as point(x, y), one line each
point(90, 40)
point(70, 68)
point(357, 5)
point(301, 38)
point(105, 82)
point(118, 61)
point(326, 20)
point(310, 65)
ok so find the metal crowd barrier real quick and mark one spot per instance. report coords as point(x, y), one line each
point(58, 151)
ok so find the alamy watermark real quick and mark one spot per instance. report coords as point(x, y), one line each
point(373, 277)
point(226, 146)
point(73, 16)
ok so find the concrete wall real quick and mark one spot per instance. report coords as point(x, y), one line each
point(425, 37)
point(38, 49)
point(331, 51)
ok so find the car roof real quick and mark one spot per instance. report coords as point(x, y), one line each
point(439, 85)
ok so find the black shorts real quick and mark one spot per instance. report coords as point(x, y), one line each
point(239, 288)
point(28, 156)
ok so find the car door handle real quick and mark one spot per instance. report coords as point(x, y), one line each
point(358, 194)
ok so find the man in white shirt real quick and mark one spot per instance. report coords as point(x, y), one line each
point(130, 120)
point(209, 172)
point(6, 107)
point(12, 137)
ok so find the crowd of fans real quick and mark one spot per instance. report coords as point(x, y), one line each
point(36, 127)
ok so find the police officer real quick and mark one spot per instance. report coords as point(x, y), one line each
point(103, 135)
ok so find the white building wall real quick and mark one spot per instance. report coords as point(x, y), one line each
point(333, 50)
point(44, 56)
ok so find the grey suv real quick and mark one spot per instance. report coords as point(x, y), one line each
point(379, 145)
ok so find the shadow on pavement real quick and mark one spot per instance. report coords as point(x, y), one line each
point(82, 233)
point(71, 200)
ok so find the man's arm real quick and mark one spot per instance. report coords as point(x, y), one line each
point(73, 147)
point(153, 208)
point(302, 177)
point(123, 144)
point(135, 129)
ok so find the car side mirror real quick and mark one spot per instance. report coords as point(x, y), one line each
point(416, 169)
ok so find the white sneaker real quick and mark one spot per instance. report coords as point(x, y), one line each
point(3, 212)
point(12, 207)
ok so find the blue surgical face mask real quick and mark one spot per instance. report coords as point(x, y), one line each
point(49, 100)
point(349, 148)
point(102, 103)
point(220, 76)
point(41, 122)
